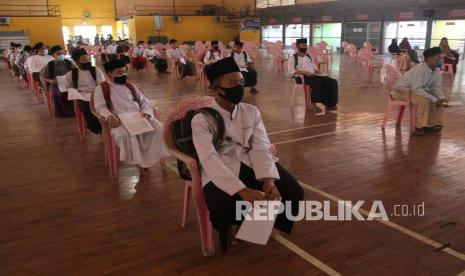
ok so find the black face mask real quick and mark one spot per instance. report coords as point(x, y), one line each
point(216, 47)
point(234, 94)
point(120, 80)
point(85, 66)
point(303, 50)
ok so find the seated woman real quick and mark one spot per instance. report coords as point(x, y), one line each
point(405, 45)
point(403, 61)
point(450, 57)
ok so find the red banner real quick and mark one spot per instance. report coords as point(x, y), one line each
point(272, 21)
point(363, 16)
point(297, 20)
point(406, 15)
point(326, 18)
point(457, 13)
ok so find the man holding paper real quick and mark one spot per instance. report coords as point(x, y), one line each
point(242, 167)
point(138, 135)
point(81, 82)
point(324, 88)
point(186, 67)
point(54, 74)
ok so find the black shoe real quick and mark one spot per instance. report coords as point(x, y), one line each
point(434, 130)
point(419, 132)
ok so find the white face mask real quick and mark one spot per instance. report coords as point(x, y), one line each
point(45, 52)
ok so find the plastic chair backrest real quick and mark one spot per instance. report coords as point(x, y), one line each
point(389, 76)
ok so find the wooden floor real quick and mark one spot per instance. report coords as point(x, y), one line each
point(60, 214)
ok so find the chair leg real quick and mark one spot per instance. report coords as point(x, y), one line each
point(386, 115)
point(307, 92)
point(36, 91)
point(413, 117)
point(400, 115)
point(187, 196)
point(293, 95)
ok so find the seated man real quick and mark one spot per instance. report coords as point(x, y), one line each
point(212, 55)
point(324, 88)
point(84, 79)
point(425, 83)
point(158, 59)
point(242, 166)
point(143, 150)
point(138, 60)
point(37, 62)
point(186, 67)
point(58, 67)
point(245, 64)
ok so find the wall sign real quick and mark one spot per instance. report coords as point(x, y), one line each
point(250, 24)
point(297, 20)
point(326, 18)
point(457, 13)
point(406, 15)
point(362, 16)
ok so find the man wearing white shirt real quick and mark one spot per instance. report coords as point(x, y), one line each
point(38, 61)
point(118, 96)
point(51, 73)
point(186, 67)
point(158, 59)
point(84, 79)
point(425, 83)
point(242, 166)
point(324, 88)
point(138, 60)
point(213, 55)
point(245, 64)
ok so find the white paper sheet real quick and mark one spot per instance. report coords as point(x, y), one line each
point(73, 94)
point(455, 103)
point(135, 123)
point(62, 83)
point(257, 231)
point(183, 61)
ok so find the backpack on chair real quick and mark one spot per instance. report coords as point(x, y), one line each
point(182, 135)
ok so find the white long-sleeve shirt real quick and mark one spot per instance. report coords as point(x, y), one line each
point(209, 59)
point(422, 81)
point(122, 101)
point(303, 64)
point(176, 53)
point(86, 83)
point(111, 49)
point(35, 63)
point(150, 53)
point(138, 51)
point(240, 60)
point(245, 140)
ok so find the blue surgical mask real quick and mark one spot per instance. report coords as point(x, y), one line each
point(60, 58)
point(439, 64)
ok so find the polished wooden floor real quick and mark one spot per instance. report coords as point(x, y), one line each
point(60, 214)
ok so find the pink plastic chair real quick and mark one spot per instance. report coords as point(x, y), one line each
point(111, 149)
point(35, 89)
point(175, 70)
point(352, 52)
point(305, 88)
point(315, 54)
point(81, 123)
point(447, 68)
point(389, 76)
point(371, 63)
point(48, 99)
point(195, 185)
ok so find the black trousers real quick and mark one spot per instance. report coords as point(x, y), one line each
point(187, 69)
point(324, 89)
point(92, 122)
point(222, 206)
point(36, 77)
point(161, 65)
point(250, 77)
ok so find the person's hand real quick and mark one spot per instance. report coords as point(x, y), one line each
point(271, 192)
point(251, 195)
point(439, 102)
point(53, 81)
point(251, 65)
point(145, 115)
point(113, 121)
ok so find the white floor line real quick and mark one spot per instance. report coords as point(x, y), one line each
point(309, 258)
point(393, 225)
point(294, 248)
point(308, 137)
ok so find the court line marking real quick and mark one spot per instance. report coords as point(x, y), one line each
point(391, 224)
point(288, 244)
point(303, 254)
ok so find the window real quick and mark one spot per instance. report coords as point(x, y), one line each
point(328, 32)
point(272, 33)
point(262, 4)
point(415, 31)
point(454, 30)
point(294, 31)
point(106, 30)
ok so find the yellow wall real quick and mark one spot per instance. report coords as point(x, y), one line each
point(251, 36)
point(72, 12)
point(191, 28)
point(45, 29)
